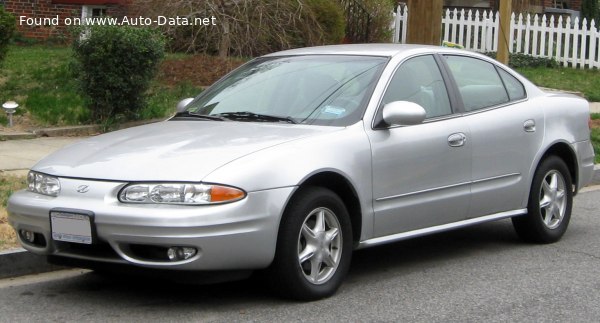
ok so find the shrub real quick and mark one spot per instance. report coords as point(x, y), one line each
point(381, 13)
point(521, 60)
point(589, 11)
point(330, 16)
point(114, 66)
point(7, 28)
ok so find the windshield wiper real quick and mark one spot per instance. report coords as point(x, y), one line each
point(251, 116)
point(188, 114)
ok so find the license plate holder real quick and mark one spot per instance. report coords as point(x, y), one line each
point(69, 226)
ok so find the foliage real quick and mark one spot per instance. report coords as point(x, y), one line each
point(245, 28)
point(522, 60)
point(39, 78)
point(518, 60)
point(380, 10)
point(589, 11)
point(330, 16)
point(115, 66)
point(595, 137)
point(7, 28)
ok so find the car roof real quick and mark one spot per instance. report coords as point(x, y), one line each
point(387, 50)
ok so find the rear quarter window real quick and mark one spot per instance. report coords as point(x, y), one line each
point(515, 89)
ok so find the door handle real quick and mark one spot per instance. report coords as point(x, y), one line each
point(529, 125)
point(457, 139)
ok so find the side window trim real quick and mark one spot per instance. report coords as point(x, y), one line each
point(456, 102)
point(503, 83)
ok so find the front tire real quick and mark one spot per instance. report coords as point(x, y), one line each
point(314, 246)
point(550, 203)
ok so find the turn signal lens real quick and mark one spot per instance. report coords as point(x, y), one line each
point(224, 194)
point(180, 193)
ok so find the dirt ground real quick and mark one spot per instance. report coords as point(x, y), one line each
point(8, 183)
point(21, 123)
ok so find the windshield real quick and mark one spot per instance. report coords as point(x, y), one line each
point(319, 89)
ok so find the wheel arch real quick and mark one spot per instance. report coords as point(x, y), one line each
point(341, 186)
point(565, 152)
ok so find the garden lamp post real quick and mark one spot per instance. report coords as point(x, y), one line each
point(10, 107)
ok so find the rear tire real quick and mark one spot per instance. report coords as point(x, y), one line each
point(314, 246)
point(550, 203)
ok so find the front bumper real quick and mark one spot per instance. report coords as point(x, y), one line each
point(239, 235)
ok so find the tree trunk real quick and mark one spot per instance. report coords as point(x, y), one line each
point(225, 40)
point(424, 22)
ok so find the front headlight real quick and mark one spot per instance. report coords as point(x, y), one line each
point(43, 184)
point(179, 193)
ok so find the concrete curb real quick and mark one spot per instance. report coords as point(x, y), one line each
point(71, 131)
point(19, 262)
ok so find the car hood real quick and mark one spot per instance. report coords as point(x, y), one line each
point(170, 150)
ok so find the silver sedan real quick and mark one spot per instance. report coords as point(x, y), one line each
point(297, 158)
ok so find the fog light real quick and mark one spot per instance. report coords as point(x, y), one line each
point(180, 253)
point(28, 235)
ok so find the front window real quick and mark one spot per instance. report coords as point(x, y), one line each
point(317, 89)
point(419, 80)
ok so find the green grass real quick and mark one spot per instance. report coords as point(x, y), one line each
point(584, 81)
point(38, 77)
point(595, 136)
point(163, 100)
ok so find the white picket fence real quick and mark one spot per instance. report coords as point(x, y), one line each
point(535, 35)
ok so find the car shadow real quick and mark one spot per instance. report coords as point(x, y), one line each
point(436, 249)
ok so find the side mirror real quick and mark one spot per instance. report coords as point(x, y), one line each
point(403, 113)
point(183, 104)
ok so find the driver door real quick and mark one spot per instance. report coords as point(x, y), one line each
point(421, 173)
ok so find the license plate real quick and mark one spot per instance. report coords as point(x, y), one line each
point(71, 227)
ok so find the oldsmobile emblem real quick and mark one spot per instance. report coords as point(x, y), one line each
point(83, 189)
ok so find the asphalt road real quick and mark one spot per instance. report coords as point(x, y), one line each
point(478, 274)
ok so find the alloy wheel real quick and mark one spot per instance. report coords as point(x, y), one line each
point(320, 245)
point(553, 199)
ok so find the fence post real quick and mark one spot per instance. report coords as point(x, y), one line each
point(593, 45)
point(584, 43)
point(559, 39)
point(511, 33)
point(469, 25)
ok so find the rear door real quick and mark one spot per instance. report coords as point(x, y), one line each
point(506, 132)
